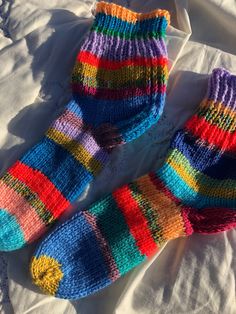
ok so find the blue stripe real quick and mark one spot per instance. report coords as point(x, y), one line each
point(187, 195)
point(97, 111)
point(211, 162)
point(75, 108)
point(116, 24)
point(59, 166)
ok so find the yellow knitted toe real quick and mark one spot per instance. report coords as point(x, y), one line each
point(46, 273)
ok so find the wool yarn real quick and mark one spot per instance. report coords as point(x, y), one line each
point(118, 84)
point(193, 191)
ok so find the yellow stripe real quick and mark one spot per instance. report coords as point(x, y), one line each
point(128, 15)
point(219, 107)
point(199, 182)
point(122, 75)
point(169, 214)
point(77, 150)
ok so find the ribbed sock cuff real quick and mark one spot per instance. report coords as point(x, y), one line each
point(222, 88)
point(215, 121)
point(118, 20)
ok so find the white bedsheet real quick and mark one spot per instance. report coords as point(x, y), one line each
point(38, 45)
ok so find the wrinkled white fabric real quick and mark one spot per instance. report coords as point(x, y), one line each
point(38, 44)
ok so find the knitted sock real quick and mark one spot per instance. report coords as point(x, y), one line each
point(121, 72)
point(118, 84)
point(194, 191)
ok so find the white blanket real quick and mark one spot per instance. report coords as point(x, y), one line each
point(38, 44)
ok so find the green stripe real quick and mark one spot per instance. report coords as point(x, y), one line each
point(128, 35)
point(114, 84)
point(116, 232)
point(150, 213)
point(24, 191)
point(224, 122)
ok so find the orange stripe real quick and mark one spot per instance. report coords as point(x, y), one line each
point(89, 58)
point(169, 213)
point(40, 184)
point(137, 223)
point(184, 210)
point(128, 15)
point(212, 134)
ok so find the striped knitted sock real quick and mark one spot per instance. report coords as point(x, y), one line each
point(121, 72)
point(118, 85)
point(194, 191)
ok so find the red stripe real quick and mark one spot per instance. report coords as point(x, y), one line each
point(89, 58)
point(135, 220)
point(114, 94)
point(42, 186)
point(212, 134)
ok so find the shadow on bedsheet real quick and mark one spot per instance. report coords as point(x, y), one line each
point(32, 121)
point(53, 60)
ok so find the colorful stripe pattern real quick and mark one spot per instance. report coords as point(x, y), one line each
point(194, 191)
point(40, 186)
point(200, 167)
point(119, 86)
point(121, 71)
point(113, 236)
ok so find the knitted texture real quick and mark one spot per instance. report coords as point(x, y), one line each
point(194, 191)
point(121, 72)
point(118, 86)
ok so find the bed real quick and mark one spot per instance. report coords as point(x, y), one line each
point(192, 275)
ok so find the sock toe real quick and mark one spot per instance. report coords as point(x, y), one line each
point(46, 273)
point(11, 235)
point(69, 263)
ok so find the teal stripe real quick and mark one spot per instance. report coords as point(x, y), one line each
point(188, 196)
point(115, 33)
point(116, 232)
point(155, 24)
point(11, 235)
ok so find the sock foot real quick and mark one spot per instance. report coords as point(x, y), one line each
point(70, 265)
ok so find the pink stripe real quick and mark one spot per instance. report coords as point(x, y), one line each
point(114, 272)
point(70, 117)
point(31, 224)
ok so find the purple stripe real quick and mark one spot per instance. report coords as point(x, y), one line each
point(122, 49)
point(113, 270)
point(222, 87)
point(82, 137)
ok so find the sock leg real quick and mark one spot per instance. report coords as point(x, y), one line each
point(37, 189)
